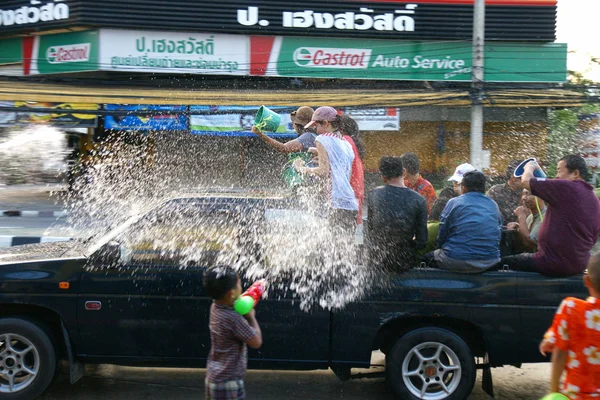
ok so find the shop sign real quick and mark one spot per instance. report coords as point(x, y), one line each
point(67, 52)
point(375, 119)
point(11, 50)
point(35, 12)
point(399, 20)
point(235, 120)
point(173, 118)
point(196, 53)
point(407, 60)
point(61, 116)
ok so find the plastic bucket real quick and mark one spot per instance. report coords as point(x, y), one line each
point(538, 173)
point(289, 174)
point(267, 120)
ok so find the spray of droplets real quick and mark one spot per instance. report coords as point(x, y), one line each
point(288, 245)
point(32, 154)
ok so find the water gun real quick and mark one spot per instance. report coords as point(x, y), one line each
point(249, 299)
point(555, 396)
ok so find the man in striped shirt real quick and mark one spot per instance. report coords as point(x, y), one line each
point(229, 334)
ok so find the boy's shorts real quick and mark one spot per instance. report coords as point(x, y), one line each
point(230, 390)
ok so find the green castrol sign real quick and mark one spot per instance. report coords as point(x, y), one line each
point(415, 60)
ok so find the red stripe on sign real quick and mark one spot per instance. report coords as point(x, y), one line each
point(541, 3)
point(27, 53)
point(260, 52)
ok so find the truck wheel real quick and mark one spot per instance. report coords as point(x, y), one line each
point(431, 364)
point(27, 359)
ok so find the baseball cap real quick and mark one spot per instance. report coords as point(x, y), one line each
point(460, 171)
point(302, 116)
point(322, 114)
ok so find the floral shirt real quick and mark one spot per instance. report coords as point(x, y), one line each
point(425, 189)
point(576, 330)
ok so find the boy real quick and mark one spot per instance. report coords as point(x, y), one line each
point(229, 334)
point(574, 340)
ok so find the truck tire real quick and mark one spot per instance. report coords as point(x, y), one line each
point(27, 359)
point(431, 364)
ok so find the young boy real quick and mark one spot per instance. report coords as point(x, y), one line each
point(574, 340)
point(229, 334)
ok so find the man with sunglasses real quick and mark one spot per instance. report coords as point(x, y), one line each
point(306, 137)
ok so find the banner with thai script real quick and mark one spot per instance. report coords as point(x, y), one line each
point(173, 52)
point(236, 121)
point(57, 114)
point(159, 118)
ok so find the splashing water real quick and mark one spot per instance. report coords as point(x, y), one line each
point(29, 154)
point(293, 249)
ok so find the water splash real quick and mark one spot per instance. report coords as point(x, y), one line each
point(32, 154)
point(289, 246)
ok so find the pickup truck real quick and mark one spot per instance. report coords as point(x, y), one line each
point(96, 301)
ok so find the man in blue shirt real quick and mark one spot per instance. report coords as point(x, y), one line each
point(470, 230)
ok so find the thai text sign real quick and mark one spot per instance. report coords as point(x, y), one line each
point(172, 52)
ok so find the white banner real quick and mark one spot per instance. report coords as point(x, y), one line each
point(375, 119)
point(173, 52)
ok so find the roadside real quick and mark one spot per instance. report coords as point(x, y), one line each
point(120, 383)
point(45, 197)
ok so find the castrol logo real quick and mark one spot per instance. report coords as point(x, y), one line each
point(322, 57)
point(68, 53)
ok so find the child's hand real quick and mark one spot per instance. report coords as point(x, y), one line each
point(251, 316)
point(256, 131)
point(545, 346)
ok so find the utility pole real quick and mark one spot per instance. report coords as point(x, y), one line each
point(477, 84)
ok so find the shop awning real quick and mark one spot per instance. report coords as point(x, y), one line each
point(64, 93)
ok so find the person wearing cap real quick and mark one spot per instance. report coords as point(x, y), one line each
point(449, 193)
point(306, 137)
point(508, 195)
point(335, 166)
point(470, 230)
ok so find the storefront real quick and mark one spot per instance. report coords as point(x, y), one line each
point(365, 58)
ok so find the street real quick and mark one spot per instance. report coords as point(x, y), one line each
point(40, 226)
point(120, 383)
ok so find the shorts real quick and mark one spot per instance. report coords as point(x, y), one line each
point(230, 390)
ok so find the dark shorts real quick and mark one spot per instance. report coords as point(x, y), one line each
point(519, 262)
point(230, 390)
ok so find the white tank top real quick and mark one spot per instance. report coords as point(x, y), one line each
point(340, 156)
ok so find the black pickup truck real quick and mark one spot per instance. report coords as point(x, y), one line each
point(98, 302)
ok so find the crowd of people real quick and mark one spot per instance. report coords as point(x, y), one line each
point(557, 222)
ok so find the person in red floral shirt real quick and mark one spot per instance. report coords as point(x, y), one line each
point(413, 179)
point(574, 340)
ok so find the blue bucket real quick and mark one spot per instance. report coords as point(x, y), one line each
point(538, 173)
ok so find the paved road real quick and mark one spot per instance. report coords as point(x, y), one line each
point(33, 226)
point(121, 383)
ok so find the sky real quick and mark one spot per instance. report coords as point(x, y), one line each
point(577, 24)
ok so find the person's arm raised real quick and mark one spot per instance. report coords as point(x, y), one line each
point(292, 146)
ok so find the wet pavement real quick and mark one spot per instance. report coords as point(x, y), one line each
point(120, 383)
point(43, 197)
